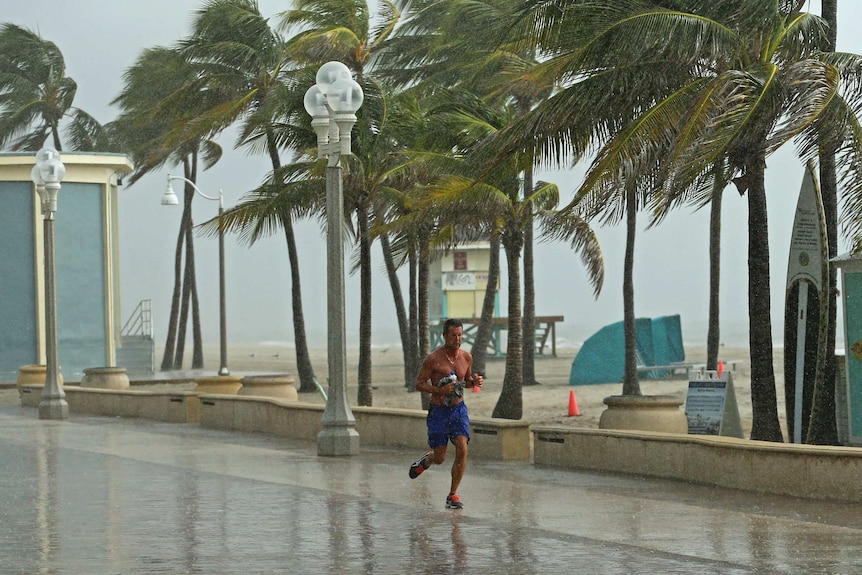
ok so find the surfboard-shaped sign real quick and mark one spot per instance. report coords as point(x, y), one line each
point(805, 281)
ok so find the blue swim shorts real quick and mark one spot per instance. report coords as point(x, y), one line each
point(446, 423)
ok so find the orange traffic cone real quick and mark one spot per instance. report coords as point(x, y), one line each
point(720, 367)
point(573, 404)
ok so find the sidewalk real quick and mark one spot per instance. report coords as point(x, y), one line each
point(118, 496)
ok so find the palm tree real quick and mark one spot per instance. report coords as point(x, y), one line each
point(822, 425)
point(377, 173)
point(241, 58)
point(455, 43)
point(403, 236)
point(483, 332)
point(338, 30)
point(670, 92)
point(419, 238)
point(474, 198)
point(85, 133)
point(150, 111)
point(35, 93)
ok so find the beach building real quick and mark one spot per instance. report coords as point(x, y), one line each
point(87, 264)
point(461, 280)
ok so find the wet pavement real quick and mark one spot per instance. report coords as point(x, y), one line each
point(97, 495)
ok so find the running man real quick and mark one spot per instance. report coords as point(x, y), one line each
point(444, 374)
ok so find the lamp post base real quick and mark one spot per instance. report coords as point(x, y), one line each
point(337, 440)
point(53, 408)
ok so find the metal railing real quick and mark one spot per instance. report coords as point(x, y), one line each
point(141, 320)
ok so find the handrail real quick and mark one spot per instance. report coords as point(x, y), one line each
point(140, 322)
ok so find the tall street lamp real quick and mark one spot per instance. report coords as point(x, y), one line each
point(47, 175)
point(170, 199)
point(332, 104)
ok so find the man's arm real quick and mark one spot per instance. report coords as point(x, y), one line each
point(422, 378)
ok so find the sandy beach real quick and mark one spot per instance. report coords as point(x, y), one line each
point(546, 403)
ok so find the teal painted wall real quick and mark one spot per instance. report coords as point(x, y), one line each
point(81, 271)
point(18, 336)
point(79, 249)
point(853, 319)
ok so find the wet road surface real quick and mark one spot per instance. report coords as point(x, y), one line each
point(97, 495)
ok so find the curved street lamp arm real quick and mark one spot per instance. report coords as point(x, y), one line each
point(195, 187)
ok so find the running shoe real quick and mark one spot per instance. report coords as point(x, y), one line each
point(454, 502)
point(420, 465)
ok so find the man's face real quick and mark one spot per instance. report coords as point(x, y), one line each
point(453, 336)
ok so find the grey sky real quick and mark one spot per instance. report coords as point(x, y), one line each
point(100, 39)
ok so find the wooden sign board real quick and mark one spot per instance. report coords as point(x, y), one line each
point(710, 405)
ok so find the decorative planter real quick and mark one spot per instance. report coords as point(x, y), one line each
point(33, 374)
point(644, 413)
point(281, 386)
point(220, 384)
point(105, 378)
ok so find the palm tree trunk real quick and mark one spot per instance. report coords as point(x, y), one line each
point(304, 369)
point(823, 427)
point(822, 424)
point(412, 358)
point(529, 321)
point(184, 304)
point(197, 336)
point(631, 385)
point(510, 404)
point(364, 395)
point(169, 357)
point(829, 12)
point(422, 294)
point(398, 299)
point(765, 425)
point(173, 319)
point(55, 135)
point(713, 337)
point(190, 170)
point(483, 333)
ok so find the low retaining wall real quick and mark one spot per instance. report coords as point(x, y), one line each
point(265, 415)
point(499, 439)
point(816, 472)
point(170, 407)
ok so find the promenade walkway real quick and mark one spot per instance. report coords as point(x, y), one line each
point(92, 496)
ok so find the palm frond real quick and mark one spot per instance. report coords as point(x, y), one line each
point(571, 228)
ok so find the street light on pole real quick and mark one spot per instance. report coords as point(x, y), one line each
point(332, 104)
point(170, 199)
point(47, 175)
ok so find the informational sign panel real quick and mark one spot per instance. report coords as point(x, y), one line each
point(710, 405)
point(453, 281)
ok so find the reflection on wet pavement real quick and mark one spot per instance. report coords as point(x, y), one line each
point(106, 495)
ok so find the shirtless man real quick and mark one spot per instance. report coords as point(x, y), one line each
point(447, 416)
